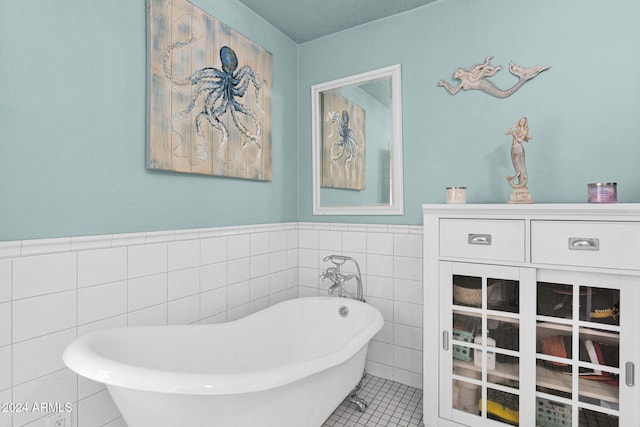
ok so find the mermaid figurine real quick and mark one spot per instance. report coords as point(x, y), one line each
point(518, 182)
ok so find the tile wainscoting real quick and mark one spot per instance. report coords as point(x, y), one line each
point(390, 259)
point(53, 290)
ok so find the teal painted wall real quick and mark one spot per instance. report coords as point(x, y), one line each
point(72, 126)
point(72, 112)
point(584, 113)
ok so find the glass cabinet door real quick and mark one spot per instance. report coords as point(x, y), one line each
point(484, 349)
point(578, 375)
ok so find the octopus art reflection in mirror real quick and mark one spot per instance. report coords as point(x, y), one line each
point(345, 147)
point(343, 143)
point(209, 95)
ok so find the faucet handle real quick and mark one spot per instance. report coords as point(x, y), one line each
point(328, 273)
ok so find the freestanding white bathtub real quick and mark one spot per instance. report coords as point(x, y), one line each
point(288, 365)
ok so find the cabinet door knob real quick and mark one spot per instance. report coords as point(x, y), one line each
point(445, 340)
point(630, 377)
point(479, 239)
point(584, 244)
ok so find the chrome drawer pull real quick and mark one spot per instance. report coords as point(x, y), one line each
point(445, 340)
point(582, 244)
point(630, 375)
point(479, 239)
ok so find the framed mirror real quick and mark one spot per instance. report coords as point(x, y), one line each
point(357, 144)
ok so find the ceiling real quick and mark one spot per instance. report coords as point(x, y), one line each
point(304, 20)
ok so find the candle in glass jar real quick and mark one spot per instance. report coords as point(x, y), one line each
point(602, 192)
point(456, 195)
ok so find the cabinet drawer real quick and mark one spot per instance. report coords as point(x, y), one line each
point(501, 240)
point(586, 243)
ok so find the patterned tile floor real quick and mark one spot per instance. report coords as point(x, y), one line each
point(391, 404)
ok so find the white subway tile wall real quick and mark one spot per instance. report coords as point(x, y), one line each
point(54, 290)
point(390, 259)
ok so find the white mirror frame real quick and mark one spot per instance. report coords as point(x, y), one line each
point(396, 199)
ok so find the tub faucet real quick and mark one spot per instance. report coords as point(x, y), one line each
point(334, 287)
point(338, 278)
point(332, 274)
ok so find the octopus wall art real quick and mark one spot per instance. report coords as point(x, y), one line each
point(209, 95)
point(343, 143)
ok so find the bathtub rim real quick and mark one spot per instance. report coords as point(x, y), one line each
point(114, 373)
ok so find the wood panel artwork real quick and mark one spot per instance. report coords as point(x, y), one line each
point(208, 95)
point(343, 143)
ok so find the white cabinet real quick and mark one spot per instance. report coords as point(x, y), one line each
point(483, 239)
point(532, 315)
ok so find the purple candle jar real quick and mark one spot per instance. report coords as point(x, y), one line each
point(602, 192)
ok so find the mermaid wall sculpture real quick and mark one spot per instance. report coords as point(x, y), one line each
point(476, 78)
point(518, 182)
